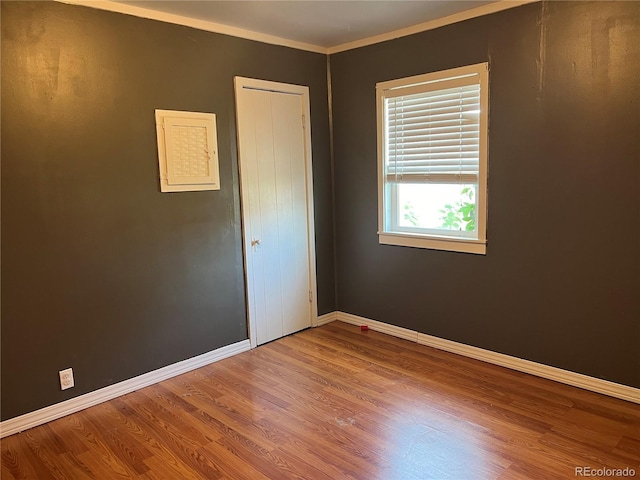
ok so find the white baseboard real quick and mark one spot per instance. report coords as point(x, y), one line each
point(326, 318)
point(586, 382)
point(53, 412)
point(378, 326)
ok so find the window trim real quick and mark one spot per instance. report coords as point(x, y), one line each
point(409, 85)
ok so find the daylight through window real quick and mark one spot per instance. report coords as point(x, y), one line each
point(432, 148)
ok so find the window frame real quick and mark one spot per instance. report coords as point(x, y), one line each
point(471, 74)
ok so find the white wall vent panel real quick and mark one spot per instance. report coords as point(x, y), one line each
point(187, 151)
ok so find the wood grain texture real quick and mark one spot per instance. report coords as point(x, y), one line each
point(337, 403)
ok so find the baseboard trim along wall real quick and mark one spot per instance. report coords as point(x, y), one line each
point(586, 382)
point(326, 318)
point(53, 412)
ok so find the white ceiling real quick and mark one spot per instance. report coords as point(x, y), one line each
point(325, 24)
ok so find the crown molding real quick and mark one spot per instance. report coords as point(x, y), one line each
point(275, 40)
point(195, 23)
point(430, 25)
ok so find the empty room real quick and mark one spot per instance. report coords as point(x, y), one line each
point(359, 240)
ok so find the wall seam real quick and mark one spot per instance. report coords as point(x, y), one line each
point(333, 185)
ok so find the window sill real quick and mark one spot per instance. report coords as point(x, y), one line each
point(464, 245)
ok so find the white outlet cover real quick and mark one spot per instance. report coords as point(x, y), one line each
point(66, 378)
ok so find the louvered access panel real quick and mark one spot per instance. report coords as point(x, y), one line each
point(187, 151)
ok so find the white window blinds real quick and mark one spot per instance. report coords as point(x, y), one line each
point(433, 135)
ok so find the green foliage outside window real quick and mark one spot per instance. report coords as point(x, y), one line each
point(410, 215)
point(461, 215)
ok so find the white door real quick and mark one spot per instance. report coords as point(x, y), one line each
point(275, 179)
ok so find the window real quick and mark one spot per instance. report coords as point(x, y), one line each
point(432, 156)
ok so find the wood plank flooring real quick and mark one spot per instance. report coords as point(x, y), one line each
point(337, 403)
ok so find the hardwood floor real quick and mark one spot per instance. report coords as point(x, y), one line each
point(337, 403)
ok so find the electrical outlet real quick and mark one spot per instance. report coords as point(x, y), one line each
point(66, 378)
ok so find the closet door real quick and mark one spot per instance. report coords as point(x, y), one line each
point(274, 173)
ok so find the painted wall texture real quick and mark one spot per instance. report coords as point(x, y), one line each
point(560, 283)
point(100, 271)
point(103, 273)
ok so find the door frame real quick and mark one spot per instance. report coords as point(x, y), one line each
point(303, 91)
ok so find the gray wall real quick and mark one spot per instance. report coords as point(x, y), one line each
point(560, 283)
point(103, 273)
point(100, 271)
